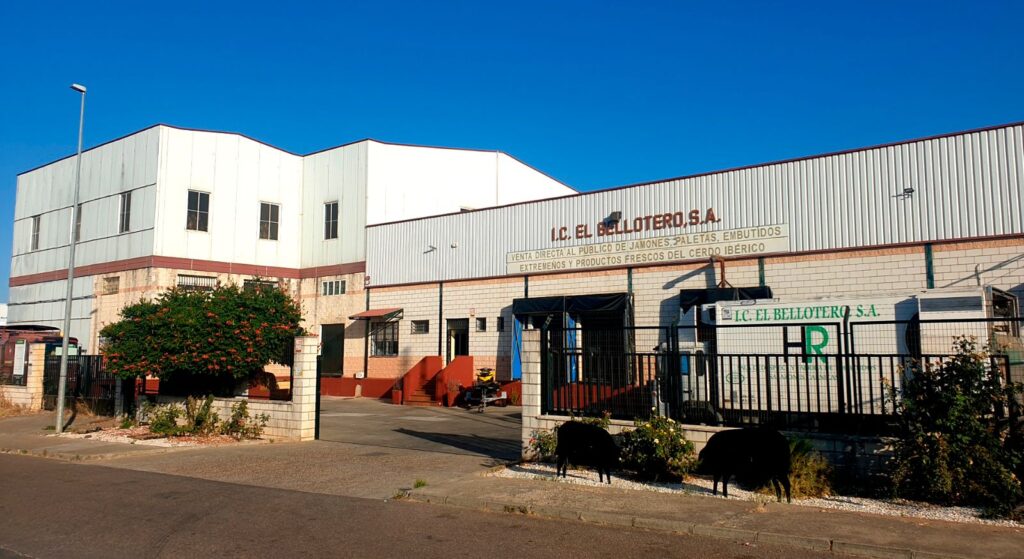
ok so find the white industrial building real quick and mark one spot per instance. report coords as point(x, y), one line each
point(436, 249)
point(167, 206)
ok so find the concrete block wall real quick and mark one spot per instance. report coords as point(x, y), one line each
point(850, 272)
point(294, 420)
point(29, 396)
point(419, 302)
point(999, 263)
point(487, 299)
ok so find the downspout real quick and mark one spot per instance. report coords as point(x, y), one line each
point(721, 266)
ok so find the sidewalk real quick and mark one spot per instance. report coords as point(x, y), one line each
point(28, 434)
point(841, 532)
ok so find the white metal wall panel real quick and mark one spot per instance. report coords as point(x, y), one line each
point(335, 175)
point(128, 164)
point(965, 186)
point(239, 174)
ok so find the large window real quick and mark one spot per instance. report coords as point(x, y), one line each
point(384, 339)
point(259, 285)
point(269, 214)
point(198, 211)
point(331, 220)
point(35, 232)
point(125, 223)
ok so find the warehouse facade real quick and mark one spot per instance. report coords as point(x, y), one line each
point(944, 212)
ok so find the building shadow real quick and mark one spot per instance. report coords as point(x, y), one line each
point(500, 449)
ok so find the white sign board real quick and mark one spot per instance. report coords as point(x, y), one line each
point(654, 250)
point(20, 356)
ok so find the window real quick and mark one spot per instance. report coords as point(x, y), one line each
point(421, 327)
point(332, 287)
point(252, 284)
point(198, 211)
point(111, 285)
point(269, 214)
point(384, 339)
point(197, 283)
point(125, 223)
point(500, 326)
point(481, 325)
point(331, 220)
point(35, 232)
point(78, 224)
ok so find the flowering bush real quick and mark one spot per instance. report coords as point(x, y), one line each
point(656, 449)
point(542, 445)
point(203, 341)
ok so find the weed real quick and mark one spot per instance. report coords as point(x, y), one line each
point(419, 483)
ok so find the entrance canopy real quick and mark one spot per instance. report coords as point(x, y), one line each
point(689, 298)
point(573, 304)
point(381, 314)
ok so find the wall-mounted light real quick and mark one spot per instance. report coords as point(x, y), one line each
point(613, 218)
point(907, 192)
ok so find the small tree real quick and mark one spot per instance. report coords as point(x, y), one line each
point(953, 433)
point(204, 342)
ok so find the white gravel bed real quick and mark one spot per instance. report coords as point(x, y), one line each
point(701, 486)
point(123, 438)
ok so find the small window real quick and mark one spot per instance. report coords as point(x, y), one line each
point(500, 326)
point(197, 283)
point(332, 287)
point(78, 224)
point(421, 327)
point(384, 339)
point(481, 325)
point(262, 285)
point(331, 220)
point(269, 214)
point(125, 223)
point(198, 211)
point(35, 232)
point(111, 285)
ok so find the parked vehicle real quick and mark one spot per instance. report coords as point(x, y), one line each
point(485, 391)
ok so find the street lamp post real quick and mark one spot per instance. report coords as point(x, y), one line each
point(62, 384)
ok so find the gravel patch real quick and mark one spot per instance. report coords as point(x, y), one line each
point(142, 436)
point(701, 486)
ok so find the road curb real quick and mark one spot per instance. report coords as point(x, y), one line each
point(80, 457)
point(685, 528)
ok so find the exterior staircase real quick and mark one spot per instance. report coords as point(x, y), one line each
point(419, 397)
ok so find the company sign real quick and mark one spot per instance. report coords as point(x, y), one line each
point(746, 241)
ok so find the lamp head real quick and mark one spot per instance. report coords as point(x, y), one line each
point(77, 87)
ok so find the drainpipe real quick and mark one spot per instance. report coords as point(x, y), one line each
point(721, 266)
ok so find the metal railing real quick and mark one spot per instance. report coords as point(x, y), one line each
point(634, 373)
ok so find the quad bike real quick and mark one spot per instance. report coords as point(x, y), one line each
point(485, 391)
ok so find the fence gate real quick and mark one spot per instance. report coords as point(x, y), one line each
point(87, 382)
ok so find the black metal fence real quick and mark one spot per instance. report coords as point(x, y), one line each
point(87, 382)
point(820, 376)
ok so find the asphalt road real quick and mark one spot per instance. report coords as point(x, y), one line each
point(60, 509)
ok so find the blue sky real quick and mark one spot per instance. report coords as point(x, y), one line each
point(596, 94)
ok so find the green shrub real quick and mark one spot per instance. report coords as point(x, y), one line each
point(163, 420)
point(810, 475)
point(241, 426)
point(656, 449)
point(951, 448)
point(200, 417)
point(603, 422)
point(542, 445)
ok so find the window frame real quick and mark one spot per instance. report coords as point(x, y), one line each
point(109, 281)
point(384, 338)
point(272, 221)
point(481, 324)
point(124, 213)
point(202, 219)
point(330, 288)
point(36, 226)
point(499, 325)
point(413, 327)
point(331, 220)
point(78, 224)
point(196, 285)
